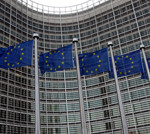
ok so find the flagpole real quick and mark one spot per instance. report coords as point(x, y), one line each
point(37, 99)
point(82, 111)
point(124, 124)
point(145, 61)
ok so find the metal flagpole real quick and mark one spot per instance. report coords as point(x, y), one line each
point(124, 124)
point(82, 112)
point(145, 61)
point(37, 100)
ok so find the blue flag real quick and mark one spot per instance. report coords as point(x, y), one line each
point(16, 56)
point(95, 62)
point(57, 60)
point(127, 64)
point(144, 72)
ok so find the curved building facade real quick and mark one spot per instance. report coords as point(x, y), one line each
point(124, 22)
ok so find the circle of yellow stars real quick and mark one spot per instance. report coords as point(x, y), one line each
point(95, 69)
point(9, 54)
point(59, 66)
point(125, 73)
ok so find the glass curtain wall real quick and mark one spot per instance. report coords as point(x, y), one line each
point(124, 22)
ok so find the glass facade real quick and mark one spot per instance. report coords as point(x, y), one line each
point(124, 22)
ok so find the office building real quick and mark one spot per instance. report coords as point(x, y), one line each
point(124, 22)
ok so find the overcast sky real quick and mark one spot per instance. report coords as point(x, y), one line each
point(60, 3)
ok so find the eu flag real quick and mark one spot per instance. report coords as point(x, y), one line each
point(57, 60)
point(16, 56)
point(95, 62)
point(127, 64)
point(144, 72)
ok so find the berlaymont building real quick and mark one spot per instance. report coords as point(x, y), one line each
point(96, 22)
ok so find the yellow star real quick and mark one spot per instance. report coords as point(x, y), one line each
point(22, 53)
point(129, 71)
point(117, 70)
point(50, 53)
point(47, 65)
point(120, 72)
point(5, 60)
point(58, 66)
point(54, 51)
point(99, 60)
point(7, 53)
point(149, 61)
point(62, 62)
point(93, 53)
point(118, 58)
point(21, 49)
point(21, 58)
point(122, 56)
point(5, 57)
point(130, 58)
point(55, 69)
point(115, 61)
point(8, 64)
point(18, 63)
point(50, 68)
point(12, 65)
point(125, 73)
point(82, 64)
point(127, 56)
point(11, 49)
point(86, 71)
point(99, 65)
point(131, 66)
point(82, 59)
point(18, 46)
point(132, 62)
point(63, 57)
point(97, 56)
point(46, 61)
point(91, 71)
point(62, 53)
point(96, 69)
point(46, 56)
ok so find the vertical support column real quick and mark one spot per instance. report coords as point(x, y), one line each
point(145, 61)
point(124, 124)
point(82, 111)
point(37, 98)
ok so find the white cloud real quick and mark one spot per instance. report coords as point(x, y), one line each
point(59, 3)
